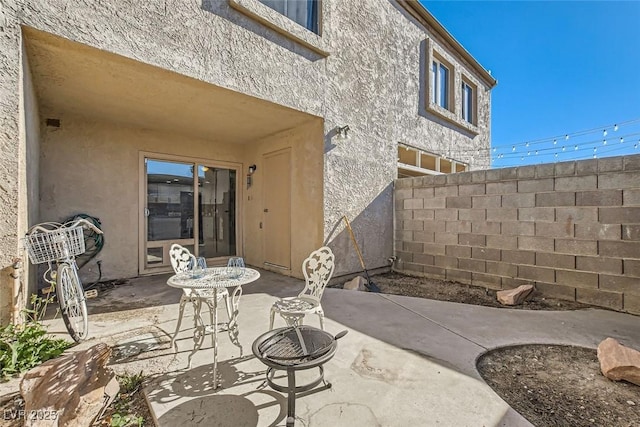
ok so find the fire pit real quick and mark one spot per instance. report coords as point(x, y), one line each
point(294, 349)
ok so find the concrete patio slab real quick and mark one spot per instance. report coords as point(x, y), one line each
point(405, 361)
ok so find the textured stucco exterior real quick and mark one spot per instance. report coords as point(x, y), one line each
point(368, 69)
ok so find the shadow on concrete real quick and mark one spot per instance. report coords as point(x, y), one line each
point(224, 406)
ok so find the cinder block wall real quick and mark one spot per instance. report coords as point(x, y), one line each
point(572, 229)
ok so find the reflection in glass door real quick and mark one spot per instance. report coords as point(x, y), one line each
point(217, 211)
point(173, 215)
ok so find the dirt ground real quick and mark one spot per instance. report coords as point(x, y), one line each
point(548, 385)
point(399, 284)
point(560, 386)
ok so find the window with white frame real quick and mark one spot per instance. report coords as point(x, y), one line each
point(440, 82)
point(304, 12)
point(468, 102)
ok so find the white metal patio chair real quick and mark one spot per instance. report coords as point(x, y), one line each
point(317, 270)
point(182, 260)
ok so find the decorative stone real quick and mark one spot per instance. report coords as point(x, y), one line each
point(69, 389)
point(358, 283)
point(514, 296)
point(618, 362)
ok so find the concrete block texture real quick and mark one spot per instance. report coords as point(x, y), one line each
point(624, 284)
point(507, 269)
point(631, 267)
point(554, 290)
point(486, 254)
point(599, 264)
point(599, 198)
point(519, 257)
point(458, 202)
point(555, 199)
point(474, 265)
point(502, 241)
point(631, 163)
point(577, 279)
point(619, 180)
point(631, 197)
point(588, 182)
point(554, 260)
point(554, 229)
point(537, 274)
point(632, 303)
point(619, 215)
point(619, 249)
point(572, 229)
point(471, 189)
point(543, 244)
point(536, 214)
point(517, 228)
point(485, 227)
point(469, 239)
point(565, 169)
point(504, 187)
point(580, 214)
point(576, 247)
point(490, 201)
point(631, 232)
point(610, 164)
point(597, 231)
point(519, 200)
point(459, 276)
point(535, 185)
point(487, 280)
point(474, 215)
point(613, 300)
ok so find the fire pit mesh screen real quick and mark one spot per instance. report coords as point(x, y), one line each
point(291, 346)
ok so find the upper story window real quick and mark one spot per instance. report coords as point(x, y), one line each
point(441, 83)
point(304, 12)
point(468, 102)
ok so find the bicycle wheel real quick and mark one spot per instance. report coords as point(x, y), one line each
point(72, 302)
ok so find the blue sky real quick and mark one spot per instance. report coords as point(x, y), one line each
point(563, 67)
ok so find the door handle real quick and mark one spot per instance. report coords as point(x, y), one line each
point(266, 210)
point(146, 211)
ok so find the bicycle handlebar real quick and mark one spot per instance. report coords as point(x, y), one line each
point(46, 227)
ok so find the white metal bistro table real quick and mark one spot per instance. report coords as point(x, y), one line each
point(209, 281)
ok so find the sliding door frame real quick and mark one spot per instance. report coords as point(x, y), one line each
point(142, 206)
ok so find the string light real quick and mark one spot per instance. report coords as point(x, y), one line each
point(583, 144)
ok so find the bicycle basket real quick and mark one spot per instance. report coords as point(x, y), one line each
point(45, 246)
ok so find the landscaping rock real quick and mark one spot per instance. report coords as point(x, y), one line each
point(356, 284)
point(618, 362)
point(69, 390)
point(514, 296)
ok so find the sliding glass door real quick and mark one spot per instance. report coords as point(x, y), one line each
point(188, 203)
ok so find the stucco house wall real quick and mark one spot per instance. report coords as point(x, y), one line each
point(368, 69)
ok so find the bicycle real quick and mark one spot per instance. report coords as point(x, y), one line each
point(51, 242)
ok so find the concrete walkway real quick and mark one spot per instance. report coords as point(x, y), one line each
point(405, 361)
